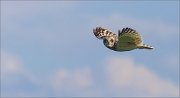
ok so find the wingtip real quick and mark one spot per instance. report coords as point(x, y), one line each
point(150, 48)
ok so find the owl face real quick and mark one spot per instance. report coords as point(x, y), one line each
point(109, 41)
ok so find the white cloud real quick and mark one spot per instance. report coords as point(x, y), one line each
point(68, 80)
point(124, 73)
point(10, 64)
point(16, 78)
point(72, 83)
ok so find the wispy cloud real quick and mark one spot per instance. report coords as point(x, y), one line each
point(10, 64)
point(71, 80)
point(19, 81)
point(16, 78)
point(80, 78)
point(125, 74)
point(124, 77)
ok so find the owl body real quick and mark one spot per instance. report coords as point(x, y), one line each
point(126, 40)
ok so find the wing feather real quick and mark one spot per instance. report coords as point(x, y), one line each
point(128, 38)
point(101, 33)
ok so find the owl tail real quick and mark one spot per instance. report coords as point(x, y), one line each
point(144, 46)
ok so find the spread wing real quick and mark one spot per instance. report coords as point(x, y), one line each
point(101, 33)
point(128, 38)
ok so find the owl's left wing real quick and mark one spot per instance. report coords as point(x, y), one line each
point(129, 37)
point(101, 33)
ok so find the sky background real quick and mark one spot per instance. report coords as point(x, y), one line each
point(48, 49)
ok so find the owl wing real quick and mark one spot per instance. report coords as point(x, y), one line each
point(101, 33)
point(128, 38)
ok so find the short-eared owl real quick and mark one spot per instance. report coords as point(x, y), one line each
point(127, 39)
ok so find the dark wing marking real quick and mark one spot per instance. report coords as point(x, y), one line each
point(100, 32)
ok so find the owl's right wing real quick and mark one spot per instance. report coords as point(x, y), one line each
point(128, 37)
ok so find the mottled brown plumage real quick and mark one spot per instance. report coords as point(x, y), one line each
point(127, 39)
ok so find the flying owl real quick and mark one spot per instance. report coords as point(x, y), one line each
point(126, 40)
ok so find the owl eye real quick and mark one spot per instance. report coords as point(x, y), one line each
point(111, 40)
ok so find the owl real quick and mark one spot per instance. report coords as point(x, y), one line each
point(126, 40)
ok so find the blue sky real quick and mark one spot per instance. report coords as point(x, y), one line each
point(48, 49)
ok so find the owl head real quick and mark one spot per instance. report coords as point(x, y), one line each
point(109, 38)
point(109, 41)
